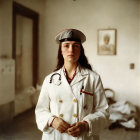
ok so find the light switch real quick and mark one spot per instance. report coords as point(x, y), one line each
point(132, 66)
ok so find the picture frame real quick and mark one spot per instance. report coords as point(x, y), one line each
point(106, 42)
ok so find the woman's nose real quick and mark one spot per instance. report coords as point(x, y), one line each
point(71, 49)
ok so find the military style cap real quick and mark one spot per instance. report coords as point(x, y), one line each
point(70, 35)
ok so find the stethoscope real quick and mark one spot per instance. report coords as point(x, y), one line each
point(58, 82)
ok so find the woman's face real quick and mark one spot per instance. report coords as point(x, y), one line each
point(70, 51)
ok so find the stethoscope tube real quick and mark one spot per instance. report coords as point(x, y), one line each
point(51, 78)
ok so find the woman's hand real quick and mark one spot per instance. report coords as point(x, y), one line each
point(78, 128)
point(60, 125)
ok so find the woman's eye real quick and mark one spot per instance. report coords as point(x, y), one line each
point(66, 46)
point(76, 46)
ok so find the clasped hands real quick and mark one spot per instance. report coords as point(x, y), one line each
point(74, 130)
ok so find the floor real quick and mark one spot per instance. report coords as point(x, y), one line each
point(24, 127)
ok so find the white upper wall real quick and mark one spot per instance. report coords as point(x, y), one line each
point(89, 16)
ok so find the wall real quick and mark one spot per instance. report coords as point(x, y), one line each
point(5, 49)
point(89, 16)
point(8, 101)
point(139, 60)
point(5, 28)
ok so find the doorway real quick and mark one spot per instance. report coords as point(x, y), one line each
point(25, 47)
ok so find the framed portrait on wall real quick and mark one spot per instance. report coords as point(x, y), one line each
point(106, 42)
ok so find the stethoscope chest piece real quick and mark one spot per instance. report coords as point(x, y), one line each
point(58, 82)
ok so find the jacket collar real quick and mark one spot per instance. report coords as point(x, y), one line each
point(81, 73)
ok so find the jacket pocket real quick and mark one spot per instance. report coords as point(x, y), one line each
point(87, 101)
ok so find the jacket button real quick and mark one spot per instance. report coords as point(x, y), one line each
point(75, 100)
point(75, 115)
point(60, 101)
point(60, 115)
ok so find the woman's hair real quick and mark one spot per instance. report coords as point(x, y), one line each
point(82, 59)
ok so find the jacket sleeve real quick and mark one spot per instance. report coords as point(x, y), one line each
point(42, 111)
point(99, 118)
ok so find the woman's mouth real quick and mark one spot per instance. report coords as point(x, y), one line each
point(71, 55)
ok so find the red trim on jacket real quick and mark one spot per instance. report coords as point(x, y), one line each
point(91, 94)
point(68, 79)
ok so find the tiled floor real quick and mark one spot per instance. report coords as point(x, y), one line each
point(24, 127)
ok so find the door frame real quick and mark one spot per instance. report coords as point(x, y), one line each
point(19, 9)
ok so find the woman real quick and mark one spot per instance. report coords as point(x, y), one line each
point(72, 104)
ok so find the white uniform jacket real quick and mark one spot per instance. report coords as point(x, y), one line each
point(81, 100)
